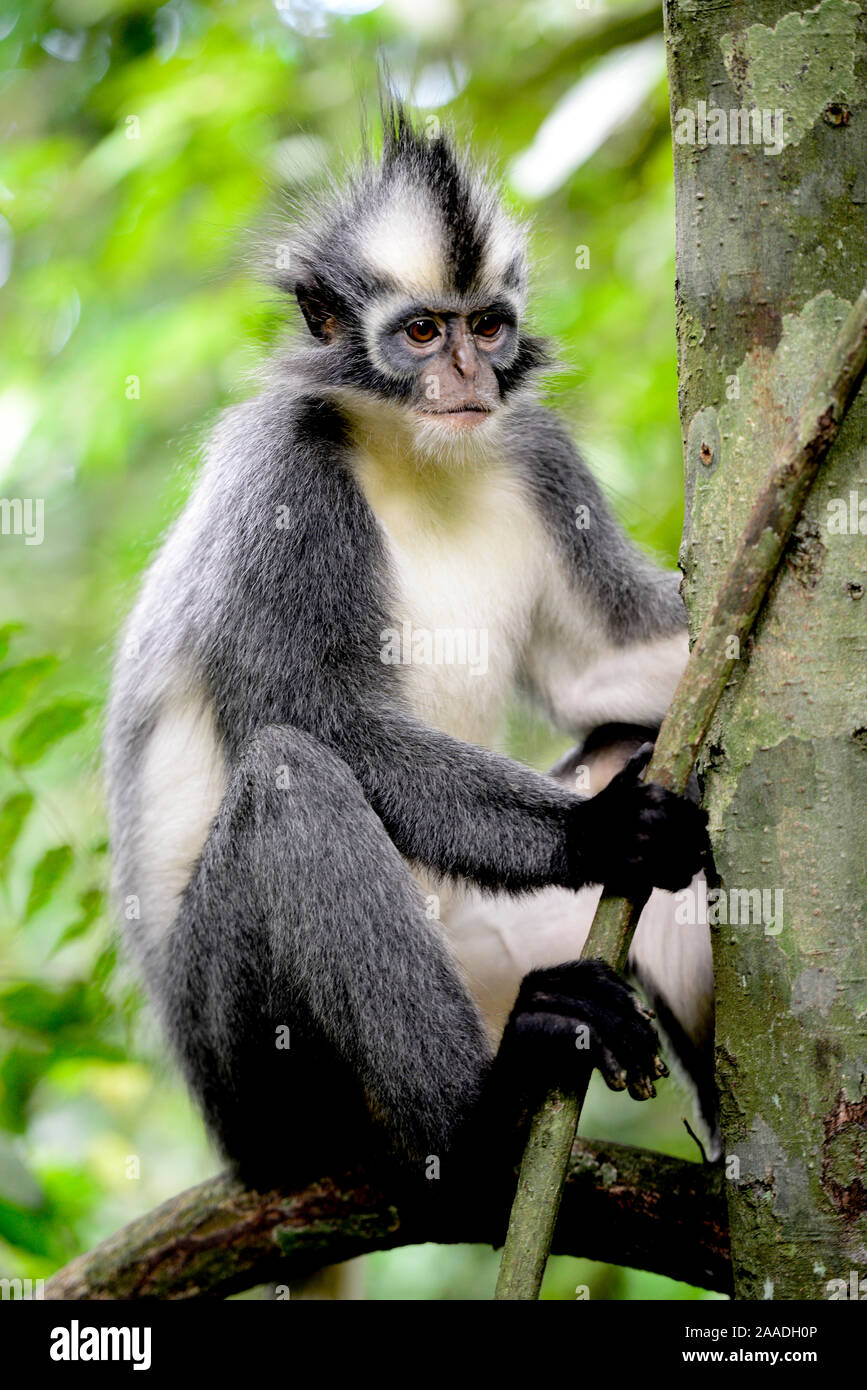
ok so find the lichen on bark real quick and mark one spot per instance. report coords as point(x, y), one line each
point(803, 66)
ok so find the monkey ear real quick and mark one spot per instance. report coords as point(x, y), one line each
point(319, 312)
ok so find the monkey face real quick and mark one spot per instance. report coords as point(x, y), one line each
point(448, 359)
point(412, 282)
point(443, 366)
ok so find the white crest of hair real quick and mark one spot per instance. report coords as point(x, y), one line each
point(505, 236)
point(403, 239)
point(505, 245)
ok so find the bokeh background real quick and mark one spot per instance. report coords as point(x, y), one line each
point(140, 143)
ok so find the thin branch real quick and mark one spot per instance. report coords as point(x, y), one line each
point(592, 38)
point(743, 588)
point(621, 1204)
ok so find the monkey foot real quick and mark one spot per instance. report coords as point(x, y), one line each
point(587, 1003)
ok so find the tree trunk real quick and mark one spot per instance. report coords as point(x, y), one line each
point(771, 253)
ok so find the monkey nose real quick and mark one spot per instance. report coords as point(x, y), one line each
point(465, 363)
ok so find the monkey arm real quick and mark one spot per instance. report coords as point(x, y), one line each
point(583, 684)
point(471, 813)
point(609, 639)
point(462, 810)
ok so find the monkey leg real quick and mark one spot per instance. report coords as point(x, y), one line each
point(317, 1013)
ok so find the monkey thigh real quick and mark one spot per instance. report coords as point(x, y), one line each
point(314, 1007)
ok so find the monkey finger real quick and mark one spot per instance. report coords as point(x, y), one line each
point(613, 1074)
point(642, 1089)
point(638, 762)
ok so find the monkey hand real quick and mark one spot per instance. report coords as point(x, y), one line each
point(633, 835)
point(584, 1011)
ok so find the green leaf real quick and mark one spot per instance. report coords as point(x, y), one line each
point(21, 1070)
point(39, 1009)
point(6, 632)
point(90, 903)
point(46, 728)
point(13, 814)
point(52, 867)
point(17, 683)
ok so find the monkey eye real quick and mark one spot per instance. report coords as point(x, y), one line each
point(487, 325)
point(422, 330)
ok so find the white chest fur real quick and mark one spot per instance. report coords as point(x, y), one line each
point(466, 554)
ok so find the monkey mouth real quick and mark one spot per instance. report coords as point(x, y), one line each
point(462, 417)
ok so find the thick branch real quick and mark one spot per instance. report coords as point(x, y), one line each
point(621, 1204)
point(803, 446)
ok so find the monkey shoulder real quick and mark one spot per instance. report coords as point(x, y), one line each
point(630, 590)
point(277, 488)
point(546, 454)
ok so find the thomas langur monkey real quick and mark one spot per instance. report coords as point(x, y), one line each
point(385, 544)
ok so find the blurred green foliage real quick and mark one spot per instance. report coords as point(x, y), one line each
point(139, 142)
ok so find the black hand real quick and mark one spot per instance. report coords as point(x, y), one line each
point(635, 835)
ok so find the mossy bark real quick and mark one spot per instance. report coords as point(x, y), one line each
point(772, 251)
point(619, 1204)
